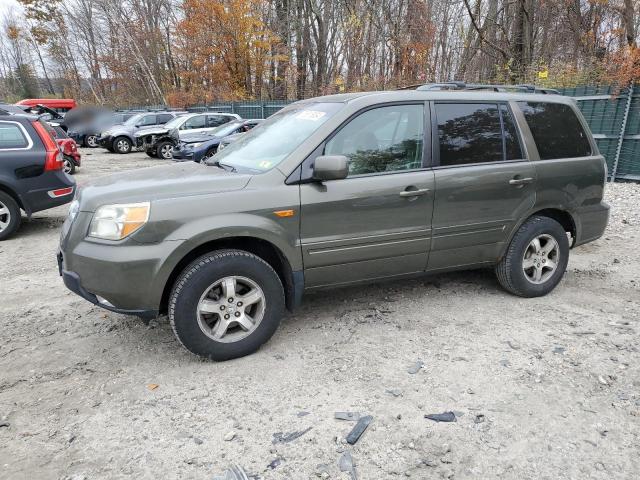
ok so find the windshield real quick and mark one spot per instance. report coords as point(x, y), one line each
point(173, 123)
point(224, 130)
point(269, 143)
point(133, 120)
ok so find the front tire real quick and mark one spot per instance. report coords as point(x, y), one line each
point(91, 141)
point(536, 259)
point(122, 145)
point(9, 216)
point(226, 304)
point(164, 150)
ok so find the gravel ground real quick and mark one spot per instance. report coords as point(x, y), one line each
point(545, 388)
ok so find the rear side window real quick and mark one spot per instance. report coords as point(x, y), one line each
point(194, 122)
point(164, 118)
point(473, 133)
point(217, 120)
point(11, 136)
point(148, 120)
point(556, 130)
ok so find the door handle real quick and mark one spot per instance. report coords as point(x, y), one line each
point(520, 181)
point(414, 193)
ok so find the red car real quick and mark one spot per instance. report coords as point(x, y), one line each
point(69, 150)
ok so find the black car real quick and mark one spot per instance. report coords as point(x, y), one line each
point(31, 170)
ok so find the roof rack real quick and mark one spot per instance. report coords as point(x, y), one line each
point(522, 88)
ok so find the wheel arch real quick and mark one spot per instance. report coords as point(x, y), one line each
point(13, 194)
point(263, 249)
point(563, 217)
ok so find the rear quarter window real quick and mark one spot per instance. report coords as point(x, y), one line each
point(556, 130)
point(11, 136)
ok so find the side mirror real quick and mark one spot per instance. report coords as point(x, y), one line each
point(330, 167)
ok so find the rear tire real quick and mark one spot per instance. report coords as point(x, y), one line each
point(10, 217)
point(536, 258)
point(214, 286)
point(69, 166)
point(122, 145)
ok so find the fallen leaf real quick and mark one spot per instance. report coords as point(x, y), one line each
point(152, 386)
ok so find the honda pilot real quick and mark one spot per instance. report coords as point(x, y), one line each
point(340, 190)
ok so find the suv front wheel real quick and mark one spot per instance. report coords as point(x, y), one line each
point(536, 259)
point(226, 304)
point(122, 145)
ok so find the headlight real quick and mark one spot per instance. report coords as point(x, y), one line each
point(115, 222)
point(74, 208)
point(194, 145)
point(221, 146)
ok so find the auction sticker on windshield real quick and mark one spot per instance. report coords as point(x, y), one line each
point(313, 115)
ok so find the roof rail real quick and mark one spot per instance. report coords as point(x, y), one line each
point(522, 88)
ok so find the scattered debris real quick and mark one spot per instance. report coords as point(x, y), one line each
point(346, 464)
point(352, 416)
point(602, 380)
point(396, 392)
point(280, 437)
point(559, 350)
point(513, 344)
point(274, 464)
point(480, 418)
point(230, 436)
point(198, 441)
point(303, 414)
point(236, 472)
point(152, 386)
point(415, 368)
point(441, 417)
point(5, 424)
point(359, 429)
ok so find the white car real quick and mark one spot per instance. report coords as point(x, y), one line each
point(158, 142)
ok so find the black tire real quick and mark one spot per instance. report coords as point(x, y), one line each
point(210, 153)
point(122, 145)
point(90, 141)
point(10, 218)
point(164, 146)
point(194, 282)
point(151, 153)
point(510, 272)
point(69, 165)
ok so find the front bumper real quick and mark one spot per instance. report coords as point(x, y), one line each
point(72, 282)
point(106, 141)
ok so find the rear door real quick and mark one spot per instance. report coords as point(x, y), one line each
point(484, 182)
point(376, 222)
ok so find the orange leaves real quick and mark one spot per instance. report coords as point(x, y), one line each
point(624, 66)
point(225, 45)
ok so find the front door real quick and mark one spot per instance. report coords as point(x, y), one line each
point(483, 181)
point(376, 222)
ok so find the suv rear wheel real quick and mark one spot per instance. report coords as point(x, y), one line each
point(226, 304)
point(122, 145)
point(69, 165)
point(9, 216)
point(536, 259)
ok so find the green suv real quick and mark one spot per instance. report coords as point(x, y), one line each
point(340, 190)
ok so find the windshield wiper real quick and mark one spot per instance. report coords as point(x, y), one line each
point(224, 166)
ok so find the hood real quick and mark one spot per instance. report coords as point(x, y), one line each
point(196, 137)
point(152, 131)
point(154, 183)
point(118, 130)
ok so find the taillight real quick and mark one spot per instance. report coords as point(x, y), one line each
point(53, 157)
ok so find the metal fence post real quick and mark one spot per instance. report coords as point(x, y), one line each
point(262, 108)
point(623, 130)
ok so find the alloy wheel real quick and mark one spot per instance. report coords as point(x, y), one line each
point(5, 216)
point(92, 141)
point(68, 167)
point(540, 259)
point(231, 309)
point(165, 151)
point(123, 146)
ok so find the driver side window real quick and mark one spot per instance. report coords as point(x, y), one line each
point(384, 139)
point(194, 122)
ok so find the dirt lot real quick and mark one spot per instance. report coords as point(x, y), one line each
point(545, 388)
